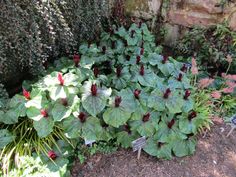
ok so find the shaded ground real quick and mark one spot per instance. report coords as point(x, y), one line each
point(215, 157)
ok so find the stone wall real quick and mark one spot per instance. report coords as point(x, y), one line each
point(177, 14)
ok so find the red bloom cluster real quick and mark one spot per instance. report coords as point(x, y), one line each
point(76, 59)
point(137, 93)
point(187, 94)
point(82, 117)
point(117, 101)
point(94, 89)
point(52, 155)
point(146, 117)
point(171, 123)
point(141, 71)
point(44, 113)
point(95, 71)
point(118, 71)
point(167, 93)
point(26, 94)
point(60, 79)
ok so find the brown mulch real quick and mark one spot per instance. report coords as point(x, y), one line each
point(215, 157)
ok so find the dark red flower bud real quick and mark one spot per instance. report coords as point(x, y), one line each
point(127, 129)
point(104, 49)
point(138, 59)
point(26, 94)
point(82, 117)
point(141, 71)
point(187, 94)
point(137, 93)
point(167, 93)
point(118, 71)
point(165, 58)
point(180, 77)
point(127, 57)
point(113, 44)
point(94, 89)
point(142, 51)
point(52, 155)
point(171, 123)
point(184, 68)
point(132, 33)
point(146, 117)
point(117, 101)
point(60, 79)
point(76, 59)
point(44, 113)
point(64, 102)
point(95, 71)
point(192, 115)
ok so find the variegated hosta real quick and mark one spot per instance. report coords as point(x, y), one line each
point(120, 88)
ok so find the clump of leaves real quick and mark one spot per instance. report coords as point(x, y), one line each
point(115, 91)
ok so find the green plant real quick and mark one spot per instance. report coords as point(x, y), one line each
point(33, 34)
point(117, 90)
point(211, 46)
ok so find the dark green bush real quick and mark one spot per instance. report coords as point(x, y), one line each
point(210, 46)
point(33, 32)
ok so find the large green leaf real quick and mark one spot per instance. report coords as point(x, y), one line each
point(9, 117)
point(60, 112)
point(5, 138)
point(43, 127)
point(183, 148)
point(94, 104)
point(125, 139)
point(116, 116)
point(89, 130)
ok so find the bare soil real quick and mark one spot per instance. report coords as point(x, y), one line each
point(215, 156)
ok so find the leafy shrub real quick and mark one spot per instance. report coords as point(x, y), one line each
point(211, 46)
point(33, 33)
point(119, 89)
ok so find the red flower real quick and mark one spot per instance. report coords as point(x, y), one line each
point(117, 101)
point(167, 93)
point(44, 113)
point(141, 71)
point(95, 71)
point(171, 123)
point(187, 94)
point(76, 59)
point(142, 51)
point(26, 94)
point(64, 102)
point(82, 117)
point(165, 58)
point(94, 89)
point(180, 77)
point(146, 117)
point(137, 93)
point(184, 68)
point(118, 71)
point(127, 129)
point(192, 115)
point(60, 79)
point(52, 155)
point(138, 58)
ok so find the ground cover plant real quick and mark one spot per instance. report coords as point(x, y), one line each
point(115, 90)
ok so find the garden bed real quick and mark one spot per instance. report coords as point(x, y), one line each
point(215, 156)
